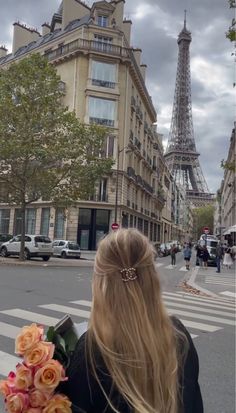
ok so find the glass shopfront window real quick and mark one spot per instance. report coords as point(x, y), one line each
point(93, 225)
point(45, 219)
point(4, 221)
point(59, 224)
point(30, 221)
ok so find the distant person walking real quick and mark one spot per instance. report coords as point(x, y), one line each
point(205, 257)
point(227, 261)
point(219, 255)
point(173, 252)
point(187, 255)
point(199, 255)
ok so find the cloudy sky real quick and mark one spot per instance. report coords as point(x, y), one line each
point(156, 24)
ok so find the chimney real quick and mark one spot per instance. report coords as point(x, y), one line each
point(143, 71)
point(118, 13)
point(22, 36)
point(137, 55)
point(73, 9)
point(46, 28)
point(126, 26)
point(3, 51)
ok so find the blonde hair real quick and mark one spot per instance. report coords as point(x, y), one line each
point(130, 326)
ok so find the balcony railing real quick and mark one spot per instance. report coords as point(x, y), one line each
point(101, 121)
point(137, 143)
point(103, 83)
point(84, 44)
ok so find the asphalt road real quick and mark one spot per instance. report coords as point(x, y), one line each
point(28, 288)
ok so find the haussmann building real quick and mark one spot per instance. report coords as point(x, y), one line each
point(103, 79)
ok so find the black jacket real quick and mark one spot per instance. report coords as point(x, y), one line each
point(87, 397)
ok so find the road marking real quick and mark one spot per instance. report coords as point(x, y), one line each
point(66, 310)
point(86, 303)
point(190, 301)
point(193, 336)
point(8, 363)
point(7, 330)
point(220, 283)
point(171, 267)
point(202, 298)
point(229, 294)
point(200, 326)
point(203, 317)
point(183, 269)
point(159, 264)
point(200, 309)
point(30, 316)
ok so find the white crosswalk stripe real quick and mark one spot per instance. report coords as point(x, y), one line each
point(220, 280)
point(198, 314)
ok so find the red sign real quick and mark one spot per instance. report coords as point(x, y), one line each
point(206, 230)
point(115, 226)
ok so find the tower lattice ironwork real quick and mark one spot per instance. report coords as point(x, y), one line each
point(181, 154)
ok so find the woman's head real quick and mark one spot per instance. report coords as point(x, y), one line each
point(129, 323)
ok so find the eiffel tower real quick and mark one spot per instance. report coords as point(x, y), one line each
point(181, 154)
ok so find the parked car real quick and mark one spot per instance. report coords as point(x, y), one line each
point(66, 249)
point(5, 238)
point(211, 244)
point(35, 246)
point(165, 249)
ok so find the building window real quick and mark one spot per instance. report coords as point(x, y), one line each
point(45, 218)
point(146, 228)
point(102, 195)
point(102, 21)
point(59, 224)
point(30, 221)
point(103, 74)
point(4, 220)
point(103, 44)
point(102, 111)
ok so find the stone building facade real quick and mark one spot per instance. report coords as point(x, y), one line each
point(103, 79)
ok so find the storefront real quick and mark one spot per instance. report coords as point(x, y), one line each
point(93, 225)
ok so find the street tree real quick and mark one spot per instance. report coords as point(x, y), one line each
point(203, 217)
point(45, 152)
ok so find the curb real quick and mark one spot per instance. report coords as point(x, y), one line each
point(42, 264)
point(192, 283)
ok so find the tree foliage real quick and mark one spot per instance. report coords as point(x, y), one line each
point(45, 152)
point(203, 217)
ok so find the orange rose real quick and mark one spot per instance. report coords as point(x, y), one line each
point(49, 376)
point(58, 404)
point(33, 410)
point(28, 336)
point(5, 388)
point(24, 377)
point(39, 353)
point(37, 398)
point(16, 402)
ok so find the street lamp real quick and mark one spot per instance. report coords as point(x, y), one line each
point(117, 177)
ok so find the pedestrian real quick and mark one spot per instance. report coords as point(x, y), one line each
point(205, 257)
point(134, 356)
point(227, 261)
point(219, 255)
point(199, 255)
point(187, 255)
point(173, 251)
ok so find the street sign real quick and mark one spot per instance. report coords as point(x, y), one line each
point(115, 226)
point(206, 230)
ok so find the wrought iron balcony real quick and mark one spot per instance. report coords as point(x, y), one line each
point(103, 83)
point(101, 121)
point(81, 45)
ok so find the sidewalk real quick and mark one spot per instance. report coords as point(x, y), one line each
point(87, 260)
point(208, 281)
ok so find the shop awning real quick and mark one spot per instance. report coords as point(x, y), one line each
point(232, 229)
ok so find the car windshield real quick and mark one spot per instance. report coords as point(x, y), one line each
point(42, 238)
point(73, 246)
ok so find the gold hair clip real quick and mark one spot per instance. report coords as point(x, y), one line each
point(129, 274)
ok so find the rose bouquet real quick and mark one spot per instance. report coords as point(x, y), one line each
point(32, 387)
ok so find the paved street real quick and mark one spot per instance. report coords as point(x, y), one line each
point(44, 294)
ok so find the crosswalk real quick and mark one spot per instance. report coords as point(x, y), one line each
point(229, 281)
point(170, 267)
point(199, 314)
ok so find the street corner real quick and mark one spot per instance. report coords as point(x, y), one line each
point(53, 262)
point(192, 284)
